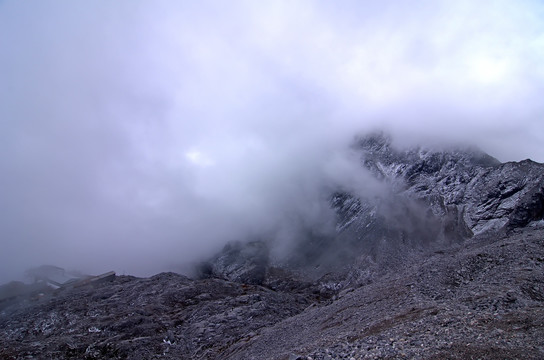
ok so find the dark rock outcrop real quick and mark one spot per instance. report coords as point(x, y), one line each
point(238, 262)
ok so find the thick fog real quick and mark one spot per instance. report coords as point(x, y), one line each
point(136, 136)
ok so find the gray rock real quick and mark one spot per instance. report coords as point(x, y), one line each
point(436, 198)
point(238, 262)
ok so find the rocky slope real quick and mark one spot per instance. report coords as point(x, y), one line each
point(435, 198)
point(464, 186)
point(166, 316)
point(481, 301)
point(446, 261)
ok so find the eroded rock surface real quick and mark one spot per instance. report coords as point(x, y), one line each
point(484, 300)
point(488, 195)
point(238, 262)
point(166, 316)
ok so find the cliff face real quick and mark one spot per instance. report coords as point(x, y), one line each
point(444, 261)
point(425, 199)
point(437, 197)
point(487, 194)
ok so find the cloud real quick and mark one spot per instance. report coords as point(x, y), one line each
point(139, 135)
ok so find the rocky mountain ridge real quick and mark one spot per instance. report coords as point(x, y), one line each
point(437, 197)
point(444, 262)
point(488, 194)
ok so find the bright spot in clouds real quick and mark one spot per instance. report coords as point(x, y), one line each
point(198, 158)
point(488, 71)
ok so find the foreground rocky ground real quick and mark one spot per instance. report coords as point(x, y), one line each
point(480, 300)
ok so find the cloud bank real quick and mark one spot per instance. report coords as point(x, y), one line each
point(139, 135)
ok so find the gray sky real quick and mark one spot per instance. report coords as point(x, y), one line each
point(136, 135)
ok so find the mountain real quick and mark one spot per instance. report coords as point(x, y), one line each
point(443, 258)
point(437, 197)
point(472, 189)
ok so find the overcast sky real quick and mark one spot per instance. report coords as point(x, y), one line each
point(137, 135)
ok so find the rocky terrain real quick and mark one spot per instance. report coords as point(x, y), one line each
point(481, 301)
point(445, 261)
